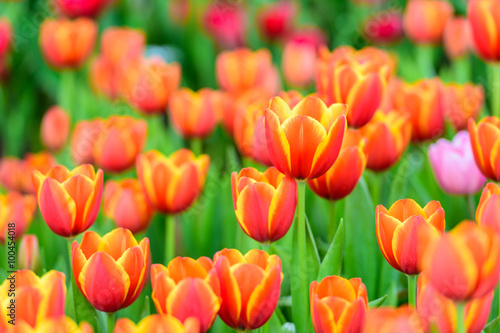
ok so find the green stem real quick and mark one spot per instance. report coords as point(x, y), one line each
point(74, 288)
point(425, 59)
point(460, 317)
point(334, 223)
point(494, 89)
point(196, 146)
point(67, 94)
point(169, 238)
point(412, 290)
point(301, 247)
point(110, 321)
point(472, 206)
point(266, 247)
point(461, 68)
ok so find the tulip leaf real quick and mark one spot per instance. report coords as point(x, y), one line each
point(377, 302)
point(490, 327)
point(332, 263)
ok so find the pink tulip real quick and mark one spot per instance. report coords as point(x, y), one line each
point(454, 166)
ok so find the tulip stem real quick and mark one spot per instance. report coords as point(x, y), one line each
point(460, 317)
point(472, 206)
point(67, 93)
point(425, 60)
point(495, 89)
point(412, 290)
point(196, 146)
point(74, 289)
point(333, 221)
point(110, 322)
point(169, 238)
point(301, 247)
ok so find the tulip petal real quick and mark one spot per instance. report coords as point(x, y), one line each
point(277, 143)
point(116, 242)
point(322, 316)
point(364, 98)
point(132, 262)
point(282, 208)
point(385, 227)
point(57, 207)
point(231, 306)
point(162, 287)
point(253, 210)
point(94, 201)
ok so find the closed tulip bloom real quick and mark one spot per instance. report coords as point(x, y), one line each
point(264, 203)
point(149, 84)
point(275, 20)
point(110, 271)
point(454, 167)
point(5, 37)
point(55, 128)
point(305, 141)
point(464, 263)
point(338, 305)
point(126, 204)
point(456, 37)
point(484, 25)
point(402, 319)
point(172, 184)
point(76, 8)
point(226, 23)
point(388, 135)
point(488, 209)
point(423, 101)
point(440, 312)
point(250, 287)
point(185, 289)
point(69, 200)
point(17, 209)
point(83, 138)
point(406, 230)
point(29, 253)
point(156, 324)
point(65, 43)
point(424, 20)
point(384, 27)
point(341, 179)
point(461, 103)
point(485, 138)
point(195, 114)
point(122, 139)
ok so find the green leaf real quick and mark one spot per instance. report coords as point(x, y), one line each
point(490, 327)
point(332, 263)
point(377, 302)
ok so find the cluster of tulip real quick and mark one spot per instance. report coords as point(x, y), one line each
point(342, 142)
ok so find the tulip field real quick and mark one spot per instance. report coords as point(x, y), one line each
point(269, 166)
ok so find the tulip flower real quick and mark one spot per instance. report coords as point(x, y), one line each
point(55, 128)
point(122, 139)
point(36, 299)
point(385, 319)
point(264, 203)
point(195, 115)
point(83, 139)
point(149, 84)
point(29, 253)
point(42, 162)
point(464, 263)
point(226, 23)
point(440, 312)
point(16, 211)
point(62, 324)
point(250, 287)
point(384, 27)
point(126, 204)
point(454, 167)
point(461, 103)
point(456, 37)
point(11, 175)
point(180, 11)
point(305, 141)
point(338, 305)
point(423, 101)
point(5, 37)
point(275, 20)
point(185, 289)
point(482, 15)
point(65, 43)
point(484, 139)
point(388, 135)
point(488, 209)
point(110, 271)
point(173, 183)
point(155, 323)
point(69, 200)
point(76, 8)
point(424, 20)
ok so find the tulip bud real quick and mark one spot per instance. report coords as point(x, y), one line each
point(226, 23)
point(276, 19)
point(402, 319)
point(424, 20)
point(29, 253)
point(461, 103)
point(484, 25)
point(484, 139)
point(55, 128)
point(488, 209)
point(15, 210)
point(457, 37)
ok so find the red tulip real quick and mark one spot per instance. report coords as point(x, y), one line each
point(226, 23)
point(457, 37)
point(55, 128)
point(276, 19)
point(484, 24)
point(484, 139)
point(75, 8)
point(424, 20)
point(385, 27)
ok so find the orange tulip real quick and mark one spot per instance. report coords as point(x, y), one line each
point(172, 184)
point(424, 20)
point(75, 8)
point(36, 299)
point(423, 101)
point(195, 115)
point(385, 319)
point(338, 305)
point(29, 253)
point(126, 204)
point(305, 141)
point(456, 37)
point(121, 140)
point(185, 289)
point(69, 200)
point(484, 138)
point(484, 24)
point(55, 128)
point(65, 43)
point(83, 139)
point(42, 162)
point(110, 271)
point(18, 210)
point(406, 230)
point(461, 103)
point(149, 84)
point(341, 179)
point(440, 312)
point(250, 287)
point(488, 209)
point(465, 263)
point(157, 324)
point(264, 203)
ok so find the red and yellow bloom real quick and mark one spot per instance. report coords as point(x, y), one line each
point(158, 323)
point(424, 20)
point(18, 209)
point(488, 209)
point(485, 140)
point(402, 319)
point(484, 24)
